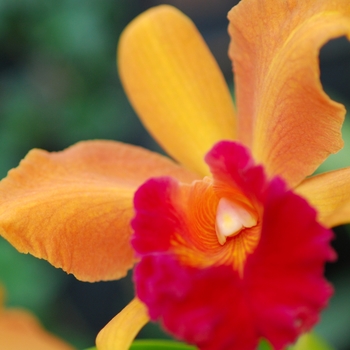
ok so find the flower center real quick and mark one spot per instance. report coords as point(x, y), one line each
point(218, 227)
point(231, 219)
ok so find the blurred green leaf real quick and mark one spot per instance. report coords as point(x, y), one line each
point(305, 342)
point(311, 342)
point(159, 345)
point(264, 345)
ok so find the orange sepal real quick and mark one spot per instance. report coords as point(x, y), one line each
point(73, 207)
point(21, 330)
point(175, 85)
point(329, 193)
point(284, 114)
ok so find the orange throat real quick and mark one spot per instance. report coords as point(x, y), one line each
point(222, 227)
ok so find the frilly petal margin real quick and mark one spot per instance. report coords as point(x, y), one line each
point(21, 330)
point(289, 265)
point(329, 193)
point(175, 85)
point(284, 115)
point(73, 208)
point(282, 289)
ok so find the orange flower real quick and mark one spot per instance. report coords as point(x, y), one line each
point(73, 207)
point(20, 330)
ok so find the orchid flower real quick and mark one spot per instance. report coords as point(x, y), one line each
point(19, 329)
point(231, 241)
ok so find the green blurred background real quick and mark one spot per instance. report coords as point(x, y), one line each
point(59, 85)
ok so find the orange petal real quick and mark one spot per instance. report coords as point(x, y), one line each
point(73, 207)
point(329, 193)
point(175, 85)
point(21, 330)
point(284, 114)
point(120, 332)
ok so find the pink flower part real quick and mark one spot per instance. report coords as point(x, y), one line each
point(264, 282)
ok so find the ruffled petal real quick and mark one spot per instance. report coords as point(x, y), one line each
point(288, 265)
point(120, 332)
point(175, 85)
point(21, 330)
point(205, 307)
point(284, 114)
point(277, 295)
point(73, 207)
point(329, 193)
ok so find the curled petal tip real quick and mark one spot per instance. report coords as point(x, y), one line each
point(284, 115)
point(120, 332)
